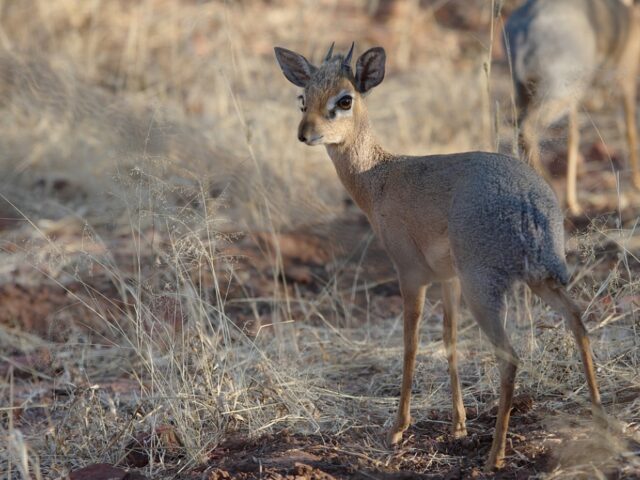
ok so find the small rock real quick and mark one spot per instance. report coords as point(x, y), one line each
point(98, 471)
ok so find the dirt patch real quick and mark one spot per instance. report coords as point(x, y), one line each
point(348, 456)
point(56, 313)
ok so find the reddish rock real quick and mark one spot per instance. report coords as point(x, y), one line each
point(104, 471)
point(98, 471)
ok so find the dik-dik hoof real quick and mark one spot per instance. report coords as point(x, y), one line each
point(494, 462)
point(600, 418)
point(575, 209)
point(393, 438)
point(395, 434)
point(459, 431)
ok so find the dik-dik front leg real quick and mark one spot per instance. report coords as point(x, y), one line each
point(413, 290)
point(538, 116)
point(451, 301)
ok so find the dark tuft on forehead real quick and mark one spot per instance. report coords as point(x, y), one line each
point(331, 72)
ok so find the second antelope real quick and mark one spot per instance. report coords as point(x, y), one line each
point(557, 49)
point(475, 222)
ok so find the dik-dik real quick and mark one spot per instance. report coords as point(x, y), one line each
point(475, 222)
point(557, 49)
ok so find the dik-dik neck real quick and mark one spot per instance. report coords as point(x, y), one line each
point(356, 160)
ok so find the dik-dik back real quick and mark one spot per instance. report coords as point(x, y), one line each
point(488, 210)
point(558, 48)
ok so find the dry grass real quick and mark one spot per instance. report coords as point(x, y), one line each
point(147, 282)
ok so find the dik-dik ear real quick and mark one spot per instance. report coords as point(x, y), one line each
point(295, 67)
point(370, 69)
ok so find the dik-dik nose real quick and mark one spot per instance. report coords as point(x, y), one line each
point(303, 130)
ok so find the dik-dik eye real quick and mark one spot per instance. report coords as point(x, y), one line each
point(345, 102)
point(301, 104)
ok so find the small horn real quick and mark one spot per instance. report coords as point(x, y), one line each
point(329, 53)
point(347, 59)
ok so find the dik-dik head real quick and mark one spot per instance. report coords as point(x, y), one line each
point(331, 103)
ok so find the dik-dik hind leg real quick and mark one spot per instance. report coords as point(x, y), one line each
point(556, 297)
point(572, 161)
point(485, 296)
point(413, 291)
point(629, 101)
point(451, 301)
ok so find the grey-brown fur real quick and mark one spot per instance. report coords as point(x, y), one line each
point(330, 71)
point(476, 222)
point(558, 48)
